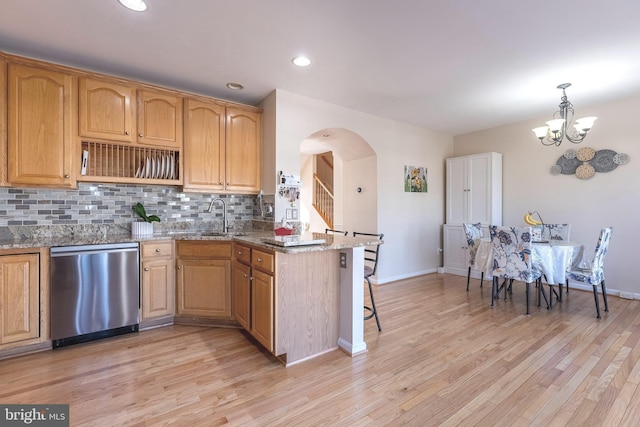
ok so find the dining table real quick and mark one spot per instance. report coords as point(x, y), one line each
point(553, 258)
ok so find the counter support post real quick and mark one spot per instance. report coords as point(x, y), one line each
point(351, 338)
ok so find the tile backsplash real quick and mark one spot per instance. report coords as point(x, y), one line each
point(112, 204)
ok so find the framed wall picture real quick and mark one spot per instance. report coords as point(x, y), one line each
point(415, 179)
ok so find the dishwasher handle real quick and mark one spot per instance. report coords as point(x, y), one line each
point(60, 251)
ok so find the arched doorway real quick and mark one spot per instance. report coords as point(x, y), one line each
point(351, 163)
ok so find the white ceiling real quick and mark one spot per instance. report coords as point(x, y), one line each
point(453, 66)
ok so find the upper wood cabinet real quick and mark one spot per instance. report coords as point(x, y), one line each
point(129, 135)
point(65, 125)
point(204, 146)
point(222, 147)
point(3, 122)
point(159, 119)
point(106, 110)
point(41, 131)
point(243, 150)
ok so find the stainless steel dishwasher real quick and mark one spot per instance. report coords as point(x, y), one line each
point(95, 292)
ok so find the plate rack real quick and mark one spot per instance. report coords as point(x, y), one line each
point(119, 163)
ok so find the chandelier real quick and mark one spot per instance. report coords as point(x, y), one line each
point(556, 129)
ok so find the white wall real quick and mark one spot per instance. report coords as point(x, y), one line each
point(360, 213)
point(411, 222)
point(606, 199)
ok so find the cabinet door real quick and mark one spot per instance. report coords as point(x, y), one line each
point(41, 135)
point(3, 123)
point(242, 294)
point(457, 191)
point(158, 288)
point(159, 119)
point(204, 148)
point(204, 288)
point(456, 252)
point(262, 300)
point(480, 197)
point(19, 298)
point(244, 150)
point(105, 110)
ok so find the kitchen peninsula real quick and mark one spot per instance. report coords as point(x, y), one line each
point(314, 306)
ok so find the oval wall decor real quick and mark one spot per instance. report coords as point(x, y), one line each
point(586, 162)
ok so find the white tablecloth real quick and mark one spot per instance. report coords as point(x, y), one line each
point(553, 258)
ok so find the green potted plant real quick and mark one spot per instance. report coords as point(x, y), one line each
point(144, 227)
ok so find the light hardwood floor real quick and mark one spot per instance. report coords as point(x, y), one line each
point(444, 357)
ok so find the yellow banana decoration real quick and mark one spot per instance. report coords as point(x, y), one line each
point(529, 220)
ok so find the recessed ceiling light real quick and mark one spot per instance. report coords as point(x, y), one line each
point(136, 5)
point(235, 86)
point(301, 61)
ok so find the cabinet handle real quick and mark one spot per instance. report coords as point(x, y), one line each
point(140, 135)
point(228, 183)
point(246, 275)
point(179, 267)
point(126, 132)
point(239, 252)
point(158, 250)
point(66, 177)
point(146, 269)
point(259, 259)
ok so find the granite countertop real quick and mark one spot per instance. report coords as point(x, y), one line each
point(254, 238)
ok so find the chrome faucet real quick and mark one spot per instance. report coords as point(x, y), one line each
point(225, 226)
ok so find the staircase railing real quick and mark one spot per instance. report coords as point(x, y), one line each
point(323, 200)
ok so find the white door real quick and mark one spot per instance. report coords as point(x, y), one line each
point(457, 191)
point(480, 187)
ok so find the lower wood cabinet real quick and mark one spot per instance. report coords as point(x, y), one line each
point(157, 280)
point(204, 279)
point(242, 294)
point(262, 309)
point(254, 291)
point(19, 298)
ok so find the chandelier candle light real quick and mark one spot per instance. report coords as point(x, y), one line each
point(556, 129)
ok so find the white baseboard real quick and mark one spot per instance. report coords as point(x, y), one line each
point(404, 276)
point(476, 274)
point(613, 292)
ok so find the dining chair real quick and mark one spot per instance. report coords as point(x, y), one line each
point(594, 274)
point(331, 231)
point(556, 232)
point(473, 233)
point(371, 257)
point(511, 248)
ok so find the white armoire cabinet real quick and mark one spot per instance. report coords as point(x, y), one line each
point(473, 194)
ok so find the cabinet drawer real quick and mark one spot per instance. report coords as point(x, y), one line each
point(157, 250)
point(242, 254)
point(264, 261)
point(204, 250)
